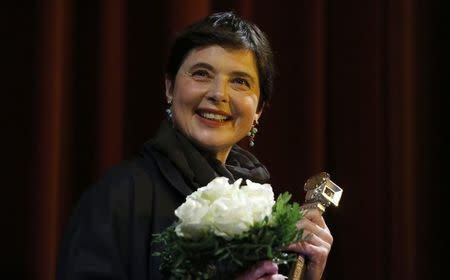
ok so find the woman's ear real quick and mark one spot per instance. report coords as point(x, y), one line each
point(260, 108)
point(169, 90)
point(259, 113)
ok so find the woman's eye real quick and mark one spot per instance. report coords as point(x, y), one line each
point(241, 82)
point(201, 74)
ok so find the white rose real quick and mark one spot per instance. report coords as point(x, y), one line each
point(231, 215)
point(225, 209)
point(191, 214)
point(216, 189)
point(261, 198)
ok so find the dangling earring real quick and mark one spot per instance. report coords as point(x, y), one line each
point(251, 134)
point(169, 113)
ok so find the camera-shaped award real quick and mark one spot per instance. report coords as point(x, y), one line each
point(321, 192)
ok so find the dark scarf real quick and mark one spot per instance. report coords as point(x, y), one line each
point(199, 167)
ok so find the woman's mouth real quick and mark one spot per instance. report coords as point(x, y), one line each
point(212, 117)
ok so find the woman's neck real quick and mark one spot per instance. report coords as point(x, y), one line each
point(222, 156)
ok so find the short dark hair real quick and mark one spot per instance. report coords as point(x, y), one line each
point(229, 30)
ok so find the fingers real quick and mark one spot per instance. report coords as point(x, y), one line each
point(317, 258)
point(260, 270)
point(315, 216)
point(311, 229)
point(304, 248)
point(273, 277)
point(317, 244)
point(316, 232)
point(265, 267)
point(317, 241)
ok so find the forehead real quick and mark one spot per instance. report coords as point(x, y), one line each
point(227, 59)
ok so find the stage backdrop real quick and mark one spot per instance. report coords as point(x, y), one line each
point(356, 95)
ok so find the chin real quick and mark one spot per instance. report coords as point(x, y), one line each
point(214, 140)
point(212, 145)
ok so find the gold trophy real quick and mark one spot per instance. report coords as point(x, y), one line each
point(320, 193)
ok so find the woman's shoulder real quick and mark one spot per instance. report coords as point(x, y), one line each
point(114, 183)
point(122, 172)
point(142, 169)
point(138, 177)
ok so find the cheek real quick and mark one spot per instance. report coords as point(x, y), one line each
point(246, 107)
point(186, 95)
point(185, 98)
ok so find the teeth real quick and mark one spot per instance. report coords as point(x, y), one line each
point(213, 116)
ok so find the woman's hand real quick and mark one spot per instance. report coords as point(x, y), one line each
point(264, 270)
point(317, 245)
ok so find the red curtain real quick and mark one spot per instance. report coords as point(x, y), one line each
point(357, 95)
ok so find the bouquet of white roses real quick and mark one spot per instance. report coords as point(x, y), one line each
point(224, 228)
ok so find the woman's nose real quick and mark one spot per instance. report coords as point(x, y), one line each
point(218, 91)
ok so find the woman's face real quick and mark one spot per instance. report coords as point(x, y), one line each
point(215, 97)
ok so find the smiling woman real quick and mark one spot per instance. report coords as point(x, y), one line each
point(215, 97)
point(219, 78)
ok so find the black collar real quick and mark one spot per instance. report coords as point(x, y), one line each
point(187, 168)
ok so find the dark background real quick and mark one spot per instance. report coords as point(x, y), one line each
point(361, 93)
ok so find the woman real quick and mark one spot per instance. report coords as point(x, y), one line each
point(218, 80)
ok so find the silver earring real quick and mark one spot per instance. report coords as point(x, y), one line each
point(169, 113)
point(251, 134)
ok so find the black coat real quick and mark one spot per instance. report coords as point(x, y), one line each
point(109, 235)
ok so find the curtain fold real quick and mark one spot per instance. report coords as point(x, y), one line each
point(52, 137)
point(110, 99)
point(403, 157)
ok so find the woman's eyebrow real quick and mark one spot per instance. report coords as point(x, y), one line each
point(202, 65)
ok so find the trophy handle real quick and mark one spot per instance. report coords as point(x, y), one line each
point(298, 270)
point(320, 193)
